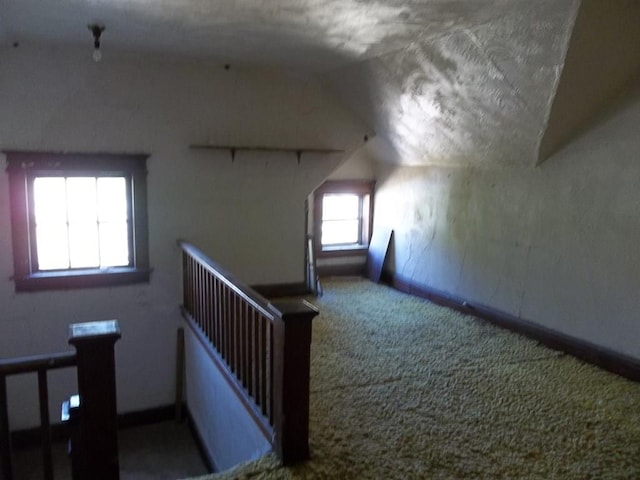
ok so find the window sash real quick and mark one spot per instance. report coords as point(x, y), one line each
point(363, 190)
point(33, 225)
point(347, 236)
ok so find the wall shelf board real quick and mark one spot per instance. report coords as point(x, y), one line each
point(233, 149)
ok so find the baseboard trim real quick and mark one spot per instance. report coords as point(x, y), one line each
point(604, 358)
point(347, 270)
point(279, 290)
point(149, 416)
point(60, 432)
point(208, 460)
point(31, 437)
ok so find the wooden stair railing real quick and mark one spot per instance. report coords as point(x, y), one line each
point(94, 449)
point(262, 348)
point(39, 364)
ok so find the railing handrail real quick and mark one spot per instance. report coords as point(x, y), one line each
point(245, 291)
point(39, 364)
point(34, 363)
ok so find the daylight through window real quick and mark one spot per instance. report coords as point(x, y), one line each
point(341, 219)
point(342, 216)
point(81, 222)
point(78, 220)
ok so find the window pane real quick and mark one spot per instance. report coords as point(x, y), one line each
point(339, 232)
point(50, 200)
point(112, 199)
point(114, 244)
point(83, 245)
point(81, 199)
point(53, 247)
point(343, 206)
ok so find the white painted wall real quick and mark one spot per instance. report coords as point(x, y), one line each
point(556, 245)
point(228, 433)
point(248, 215)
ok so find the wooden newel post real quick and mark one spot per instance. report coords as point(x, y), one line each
point(292, 343)
point(95, 452)
point(6, 473)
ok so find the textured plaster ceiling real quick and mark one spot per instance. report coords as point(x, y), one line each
point(478, 93)
point(439, 81)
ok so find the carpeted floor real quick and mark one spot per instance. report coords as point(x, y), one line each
point(404, 389)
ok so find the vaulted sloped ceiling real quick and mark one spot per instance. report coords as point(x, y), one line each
point(439, 82)
point(602, 62)
point(475, 93)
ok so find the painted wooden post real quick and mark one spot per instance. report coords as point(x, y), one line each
point(292, 343)
point(95, 454)
point(5, 433)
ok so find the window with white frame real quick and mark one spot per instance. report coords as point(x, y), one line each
point(78, 220)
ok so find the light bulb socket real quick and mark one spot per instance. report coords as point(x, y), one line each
point(96, 29)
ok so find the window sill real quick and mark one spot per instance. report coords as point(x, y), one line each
point(342, 251)
point(75, 279)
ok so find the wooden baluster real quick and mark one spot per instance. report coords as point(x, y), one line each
point(246, 345)
point(199, 298)
point(255, 352)
point(270, 373)
point(184, 279)
point(249, 349)
point(196, 290)
point(239, 340)
point(209, 301)
point(264, 344)
point(236, 333)
point(226, 315)
point(190, 282)
point(243, 344)
point(194, 293)
point(5, 433)
point(262, 370)
point(187, 274)
point(45, 424)
point(255, 322)
point(219, 303)
point(216, 315)
point(231, 328)
point(203, 300)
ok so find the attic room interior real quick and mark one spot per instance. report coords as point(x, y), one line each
point(497, 140)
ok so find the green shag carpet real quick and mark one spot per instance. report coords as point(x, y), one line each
point(402, 388)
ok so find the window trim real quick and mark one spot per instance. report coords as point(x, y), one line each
point(357, 187)
point(23, 167)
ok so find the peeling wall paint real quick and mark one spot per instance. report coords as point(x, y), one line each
point(556, 245)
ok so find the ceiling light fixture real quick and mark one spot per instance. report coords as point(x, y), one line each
point(96, 30)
